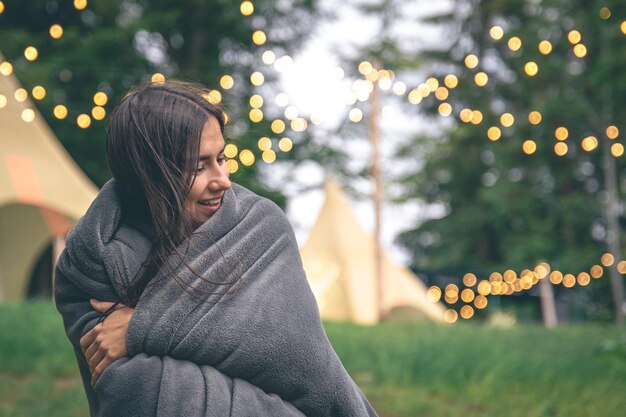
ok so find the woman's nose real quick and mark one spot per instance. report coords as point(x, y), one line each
point(221, 181)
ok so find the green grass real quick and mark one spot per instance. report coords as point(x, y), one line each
point(405, 369)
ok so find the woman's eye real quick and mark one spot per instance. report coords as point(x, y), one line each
point(221, 160)
point(200, 168)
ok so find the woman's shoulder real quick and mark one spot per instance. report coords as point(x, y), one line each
point(259, 207)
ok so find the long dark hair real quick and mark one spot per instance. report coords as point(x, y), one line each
point(153, 140)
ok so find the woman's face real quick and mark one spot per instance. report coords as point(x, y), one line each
point(211, 176)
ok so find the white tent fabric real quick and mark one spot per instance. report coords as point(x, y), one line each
point(339, 261)
point(42, 190)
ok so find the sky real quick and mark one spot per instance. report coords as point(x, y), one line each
point(315, 85)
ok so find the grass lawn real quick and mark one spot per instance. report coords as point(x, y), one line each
point(405, 369)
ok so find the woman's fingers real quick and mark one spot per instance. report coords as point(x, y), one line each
point(88, 339)
point(101, 306)
point(95, 360)
point(104, 363)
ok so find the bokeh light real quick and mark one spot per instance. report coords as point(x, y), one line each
point(38, 92)
point(259, 37)
point(434, 294)
point(157, 78)
point(496, 33)
point(534, 117)
point(56, 31)
point(507, 120)
point(580, 50)
point(285, 144)
point(227, 82)
point(561, 133)
point(98, 113)
point(450, 316)
point(6, 68)
point(531, 68)
point(590, 143)
point(612, 132)
point(83, 120)
point(467, 312)
point(31, 53)
point(607, 259)
point(246, 8)
point(278, 126)
point(574, 37)
point(481, 79)
point(451, 81)
point(257, 79)
point(617, 149)
point(246, 157)
point(560, 148)
point(514, 43)
point(256, 101)
point(355, 115)
point(60, 111)
point(469, 280)
point(529, 147)
point(20, 95)
point(230, 151)
point(256, 115)
point(494, 133)
point(80, 4)
point(28, 115)
point(100, 98)
point(445, 109)
point(268, 156)
point(545, 47)
point(471, 61)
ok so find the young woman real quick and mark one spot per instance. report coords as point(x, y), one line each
point(184, 294)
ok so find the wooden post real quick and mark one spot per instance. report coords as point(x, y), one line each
point(548, 306)
point(374, 134)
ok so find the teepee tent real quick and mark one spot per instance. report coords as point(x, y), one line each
point(42, 190)
point(339, 262)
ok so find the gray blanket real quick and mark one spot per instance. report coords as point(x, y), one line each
point(255, 348)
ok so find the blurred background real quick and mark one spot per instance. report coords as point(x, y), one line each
point(454, 172)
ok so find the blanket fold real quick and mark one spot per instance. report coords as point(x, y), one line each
point(238, 334)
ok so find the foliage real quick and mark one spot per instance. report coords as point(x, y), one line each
point(495, 206)
point(112, 45)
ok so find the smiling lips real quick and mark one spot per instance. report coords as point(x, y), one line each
point(211, 205)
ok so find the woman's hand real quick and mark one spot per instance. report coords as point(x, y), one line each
point(106, 342)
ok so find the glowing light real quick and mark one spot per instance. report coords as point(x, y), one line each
point(477, 117)
point(291, 112)
point(441, 93)
point(278, 126)
point(531, 68)
point(39, 92)
point(6, 68)
point(529, 147)
point(299, 124)
point(31, 53)
point(256, 115)
point(60, 111)
point(269, 156)
point(282, 99)
point(569, 280)
point(480, 302)
point(20, 94)
point(423, 90)
point(246, 157)
point(561, 133)
point(590, 143)
point(622, 27)
point(434, 294)
point(285, 144)
point(355, 115)
point(514, 43)
point(607, 259)
point(445, 109)
point(432, 84)
point(560, 148)
point(469, 280)
point(256, 101)
point(612, 132)
point(484, 287)
point(226, 117)
point(542, 270)
point(574, 37)
point(471, 61)
point(451, 81)
point(556, 277)
point(28, 115)
point(399, 88)
point(157, 78)
point(466, 115)
point(467, 312)
point(621, 267)
point(3, 101)
point(481, 79)
point(596, 271)
point(56, 31)
point(227, 82)
point(232, 166)
point(467, 295)
point(259, 37)
point(495, 277)
point(496, 33)
point(494, 133)
point(545, 47)
point(268, 57)
point(451, 298)
point(617, 149)
point(580, 50)
point(415, 97)
point(452, 289)
point(1, 7)
point(450, 316)
point(214, 97)
point(246, 8)
point(534, 117)
point(100, 98)
point(365, 67)
point(257, 78)
point(83, 120)
point(583, 279)
point(98, 113)
point(80, 4)
point(507, 120)
point(605, 13)
point(230, 151)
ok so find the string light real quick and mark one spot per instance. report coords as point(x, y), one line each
point(415, 97)
point(98, 113)
point(3, 101)
point(607, 259)
point(399, 88)
point(269, 156)
point(545, 47)
point(445, 109)
point(246, 157)
point(157, 78)
point(434, 294)
point(268, 57)
point(617, 149)
point(285, 144)
point(6, 68)
point(1, 7)
point(365, 67)
point(450, 316)
point(246, 8)
point(590, 143)
point(477, 117)
point(232, 165)
point(441, 93)
point(605, 13)
point(31, 53)
point(278, 126)
point(612, 132)
point(60, 111)
point(560, 148)
point(259, 37)
point(56, 31)
point(507, 120)
point(471, 61)
point(514, 43)
point(256, 115)
point(28, 115)
point(432, 84)
point(256, 101)
point(496, 33)
point(531, 68)
point(100, 98)
point(580, 50)
point(83, 120)
point(574, 37)
point(214, 97)
point(529, 147)
point(20, 95)
point(38, 92)
point(451, 81)
point(227, 82)
point(230, 151)
point(355, 115)
point(257, 79)
point(466, 115)
point(561, 133)
point(481, 79)
point(534, 117)
point(494, 133)
point(80, 4)
point(299, 124)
